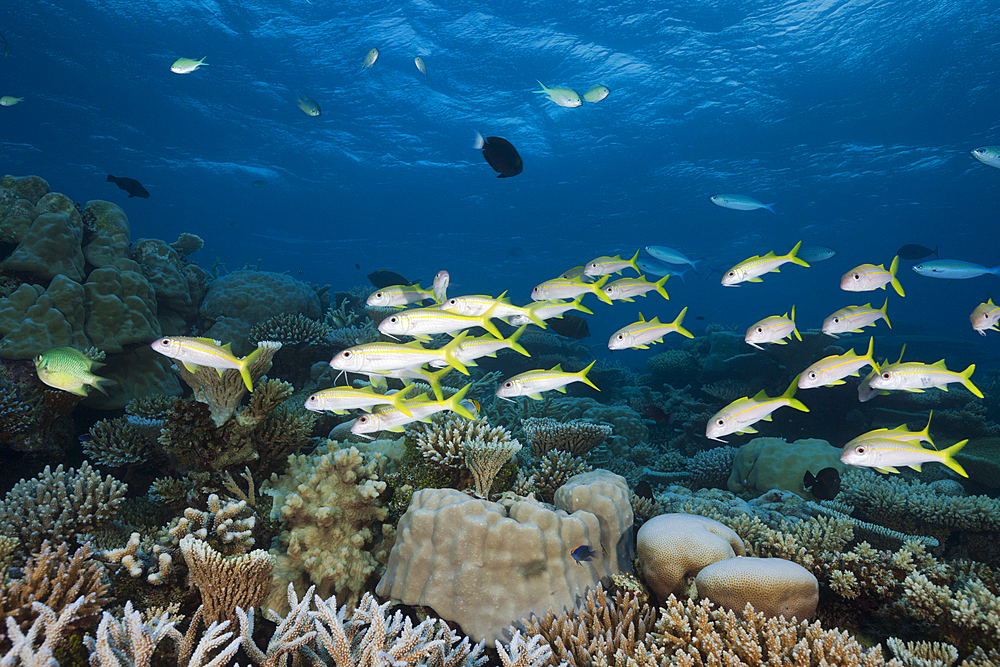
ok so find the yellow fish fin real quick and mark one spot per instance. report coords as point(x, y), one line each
point(561, 390)
point(755, 280)
point(537, 397)
point(836, 382)
point(767, 418)
point(191, 368)
point(887, 469)
point(947, 458)
point(747, 429)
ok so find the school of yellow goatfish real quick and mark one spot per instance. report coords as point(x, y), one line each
point(386, 410)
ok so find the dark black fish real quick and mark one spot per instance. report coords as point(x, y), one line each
point(583, 553)
point(700, 317)
point(501, 155)
point(130, 185)
point(570, 326)
point(825, 485)
point(643, 489)
point(915, 252)
point(383, 278)
point(357, 266)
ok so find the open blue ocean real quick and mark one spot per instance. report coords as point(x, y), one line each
point(320, 144)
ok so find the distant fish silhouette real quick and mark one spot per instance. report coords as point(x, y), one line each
point(501, 155)
point(130, 185)
point(383, 278)
point(825, 485)
point(570, 326)
point(912, 251)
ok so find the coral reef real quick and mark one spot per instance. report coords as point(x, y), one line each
point(227, 582)
point(772, 586)
point(772, 463)
point(576, 437)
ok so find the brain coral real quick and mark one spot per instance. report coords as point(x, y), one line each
point(774, 586)
point(486, 565)
point(673, 547)
point(771, 463)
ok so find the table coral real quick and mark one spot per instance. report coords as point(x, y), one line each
point(576, 437)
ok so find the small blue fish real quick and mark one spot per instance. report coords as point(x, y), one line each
point(583, 553)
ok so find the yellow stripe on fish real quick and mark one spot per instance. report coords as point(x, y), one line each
point(750, 270)
point(852, 318)
point(741, 414)
point(193, 352)
point(772, 330)
point(915, 376)
point(884, 454)
point(867, 277)
point(606, 265)
point(830, 371)
point(533, 383)
point(398, 295)
point(640, 335)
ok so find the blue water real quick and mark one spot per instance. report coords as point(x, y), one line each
point(856, 118)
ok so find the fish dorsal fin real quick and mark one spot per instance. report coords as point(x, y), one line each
point(641, 318)
point(210, 341)
point(939, 364)
point(770, 253)
point(761, 396)
point(656, 320)
point(557, 368)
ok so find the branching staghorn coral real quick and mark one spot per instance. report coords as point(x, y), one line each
point(548, 473)
point(923, 654)
point(124, 441)
point(291, 329)
point(441, 441)
point(58, 505)
point(59, 581)
point(965, 613)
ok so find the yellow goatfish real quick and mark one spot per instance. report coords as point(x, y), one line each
point(549, 309)
point(915, 376)
point(383, 357)
point(884, 454)
point(69, 369)
point(852, 318)
point(569, 288)
point(477, 304)
point(640, 335)
point(422, 323)
point(533, 383)
point(740, 415)
point(399, 295)
point(831, 371)
point(772, 329)
point(421, 409)
point(901, 432)
point(985, 316)
point(194, 352)
point(867, 277)
point(750, 270)
point(624, 289)
point(339, 400)
point(604, 265)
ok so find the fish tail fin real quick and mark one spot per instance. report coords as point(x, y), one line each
point(967, 381)
point(659, 287)
point(434, 380)
point(681, 274)
point(770, 207)
point(596, 288)
point(245, 367)
point(514, 345)
point(693, 262)
point(454, 402)
point(632, 262)
point(533, 316)
point(895, 281)
point(479, 142)
point(948, 458)
point(870, 354)
point(793, 255)
point(449, 352)
point(796, 329)
point(790, 395)
point(543, 90)
point(936, 255)
point(885, 315)
point(677, 323)
point(399, 402)
point(111, 179)
point(583, 375)
point(485, 320)
point(578, 305)
point(100, 384)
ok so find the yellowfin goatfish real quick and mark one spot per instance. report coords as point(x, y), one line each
point(569, 288)
point(740, 415)
point(473, 348)
point(430, 378)
point(339, 400)
point(186, 65)
point(596, 93)
point(740, 203)
point(440, 286)
point(422, 323)
point(194, 352)
point(380, 357)
point(624, 289)
point(915, 376)
point(773, 329)
point(575, 272)
point(370, 59)
point(547, 310)
point(419, 62)
point(605, 265)
point(398, 295)
point(420, 408)
point(985, 316)
point(953, 269)
point(564, 97)
point(533, 383)
point(852, 318)
point(865, 391)
point(867, 277)
point(751, 269)
point(10, 100)
point(70, 370)
point(884, 454)
point(901, 432)
point(831, 371)
point(670, 256)
point(477, 304)
point(988, 155)
point(640, 335)
point(309, 105)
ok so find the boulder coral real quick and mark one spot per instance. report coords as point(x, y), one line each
point(485, 565)
point(772, 586)
point(764, 464)
point(674, 547)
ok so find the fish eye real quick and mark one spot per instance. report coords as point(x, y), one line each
point(721, 422)
point(621, 337)
point(836, 320)
point(860, 450)
point(886, 376)
point(345, 354)
point(760, 329)
point(508, 384)
point(393, 319)
point(812, 376)
point(732, 273)
point(857, 276)
point(362, 420)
